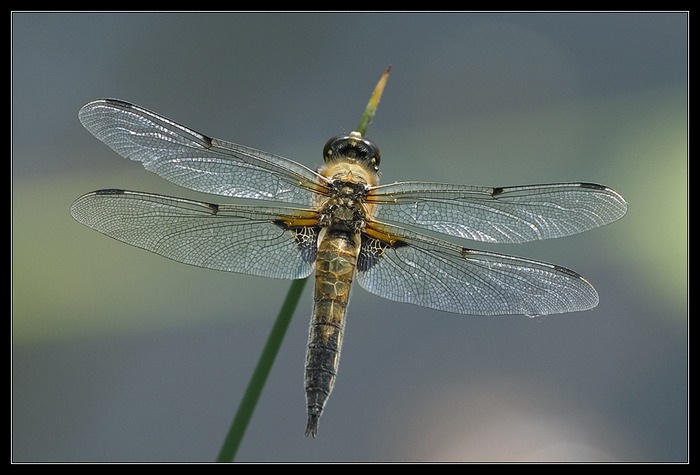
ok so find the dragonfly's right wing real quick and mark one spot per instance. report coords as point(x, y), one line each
point(418, 269)
point(512, 214)
point(195, 161)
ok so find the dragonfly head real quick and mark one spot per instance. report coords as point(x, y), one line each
point(353, 147)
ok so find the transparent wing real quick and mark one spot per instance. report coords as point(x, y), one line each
point(195, 161)
point(440, 275)
point(242, 239)
point(500, 215)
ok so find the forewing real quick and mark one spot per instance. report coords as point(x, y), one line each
point(436, 274)
point(195, 161)
point(244, 239)
point(500, 215)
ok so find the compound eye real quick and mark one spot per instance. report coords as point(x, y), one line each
point(373, 157)
point(354, 147)
point(330, 150)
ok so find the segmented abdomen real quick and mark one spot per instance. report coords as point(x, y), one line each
point(335, 267)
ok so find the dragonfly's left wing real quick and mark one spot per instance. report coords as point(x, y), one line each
point(246, 239)
point(195, 161)
point(513, 214)
point(437, 274)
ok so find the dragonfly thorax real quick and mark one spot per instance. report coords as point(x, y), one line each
point(343, 214)
point(344, 210)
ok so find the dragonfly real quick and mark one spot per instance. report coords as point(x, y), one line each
point(340, 224)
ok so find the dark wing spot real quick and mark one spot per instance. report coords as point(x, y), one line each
point(593, 186)
point(569, 272)
point(307, 242)
point(110, 191)
point(281, 224)
point(213, 207)
point(306, 238)
point(207, 140)
point(120, 103)
point(496, 191)
point(372, 251)
point(464, 252)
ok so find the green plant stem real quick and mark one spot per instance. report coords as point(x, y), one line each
point(262, 370)
point(373, 103)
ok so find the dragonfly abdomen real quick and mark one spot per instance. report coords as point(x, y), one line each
point(335, 268)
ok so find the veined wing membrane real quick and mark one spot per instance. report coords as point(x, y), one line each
point(437, 274)
point(500, 215)
point(244, 239)
point(195, 161)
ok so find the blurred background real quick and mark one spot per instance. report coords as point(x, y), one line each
point(122, 355)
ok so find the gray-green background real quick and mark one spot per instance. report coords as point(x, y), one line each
point(121, 355)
